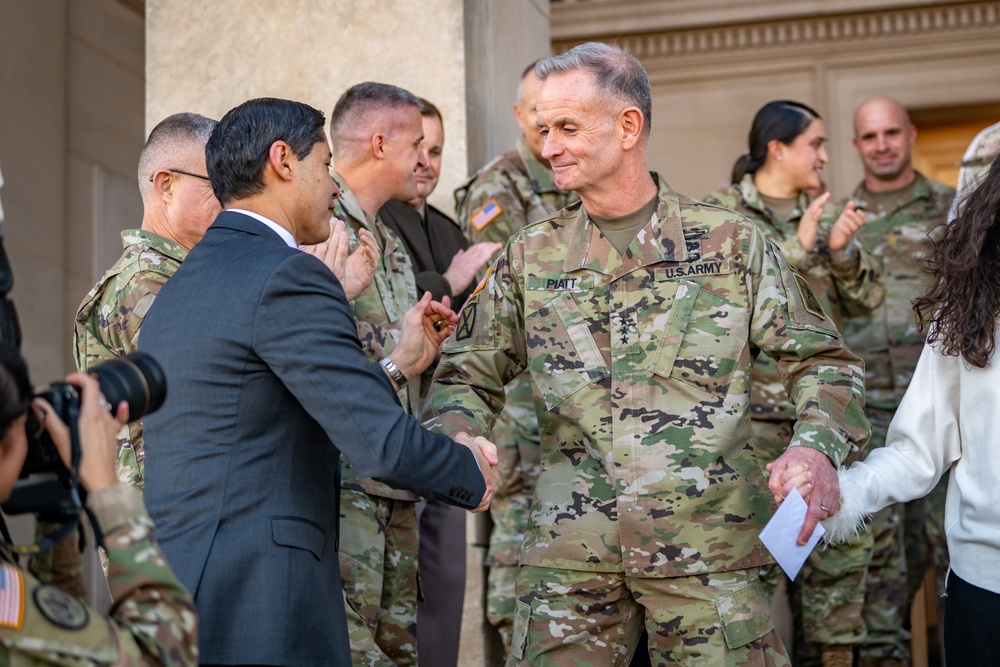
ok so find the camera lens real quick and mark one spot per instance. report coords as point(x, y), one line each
point(136, 378)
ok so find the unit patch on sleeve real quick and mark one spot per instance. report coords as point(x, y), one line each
point(60, 607)
point(485, 215)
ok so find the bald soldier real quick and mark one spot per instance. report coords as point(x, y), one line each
point(638, 314)
point(513, 190)
point(902, 207)
point(178, 205)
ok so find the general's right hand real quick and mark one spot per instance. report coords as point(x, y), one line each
point(98, 432)
point(486, 455)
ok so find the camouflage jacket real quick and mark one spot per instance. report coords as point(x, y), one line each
point(109, 319)
point(643, 365)
point(887, 338)
point(153, 621)
point(845, 285)
point(379, 310)
point(506, 194)
point(980, 154)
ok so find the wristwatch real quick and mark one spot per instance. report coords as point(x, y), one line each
point(393, 370)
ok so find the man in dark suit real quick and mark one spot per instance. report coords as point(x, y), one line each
point(268, 383)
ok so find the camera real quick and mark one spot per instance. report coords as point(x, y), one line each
point(46, 486)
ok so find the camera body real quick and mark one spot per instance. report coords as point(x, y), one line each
point(46, 486)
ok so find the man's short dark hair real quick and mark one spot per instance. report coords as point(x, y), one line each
point(239, 147)
point(428, 110)
point(362, 100)
point(617, 72)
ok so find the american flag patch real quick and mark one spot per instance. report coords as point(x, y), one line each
point(11, 597)
point(485, 215)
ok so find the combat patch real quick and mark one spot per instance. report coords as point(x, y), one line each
point(467, 320)
point(11, 597)
point(60, 607)
point(485, 215)
point(809, 300)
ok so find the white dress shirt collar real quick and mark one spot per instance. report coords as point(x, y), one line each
point(285, 235)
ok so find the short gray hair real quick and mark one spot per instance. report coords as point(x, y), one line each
point(617, 73)
point(169, 135)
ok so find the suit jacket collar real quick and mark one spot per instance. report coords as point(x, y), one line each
point(245, 223)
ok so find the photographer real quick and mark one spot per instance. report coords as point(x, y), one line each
point(153, 621)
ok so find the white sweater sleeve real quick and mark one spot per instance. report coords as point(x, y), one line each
point(923, 442)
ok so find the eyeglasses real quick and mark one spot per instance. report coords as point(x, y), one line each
point(181, 171)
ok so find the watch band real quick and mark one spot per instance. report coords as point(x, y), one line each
point(393, 370)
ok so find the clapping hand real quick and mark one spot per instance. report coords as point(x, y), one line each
point(356, 270)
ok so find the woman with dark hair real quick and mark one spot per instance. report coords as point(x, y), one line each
point(153, 621)
point(948, 421)
point(771, 185)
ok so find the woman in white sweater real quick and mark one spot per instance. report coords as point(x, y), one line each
point(949, 420)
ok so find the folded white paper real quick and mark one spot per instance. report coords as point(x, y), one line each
point(781, 534)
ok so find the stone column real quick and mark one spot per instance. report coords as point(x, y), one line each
point(463, 55)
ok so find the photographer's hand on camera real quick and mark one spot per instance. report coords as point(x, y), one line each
point(154, 621)
point(98, 432)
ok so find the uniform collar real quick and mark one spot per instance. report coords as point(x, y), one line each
point(161, 244)
point(921, 190)
point(661, 240)
point(751, 197)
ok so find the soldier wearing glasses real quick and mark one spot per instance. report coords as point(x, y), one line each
point(178, 206)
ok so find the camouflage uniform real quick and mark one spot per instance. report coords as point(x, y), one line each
point(890, 344)
point(153, 621)
point(523, 189)
point(832, 588)
point(985, 148)
point(649, 478)
point(378, 524)
point(108, 322)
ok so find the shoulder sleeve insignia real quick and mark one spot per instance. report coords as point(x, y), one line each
point(60, 607)
point(11, 597)
point(485, 215)
point(809, 300)
point(466, 321)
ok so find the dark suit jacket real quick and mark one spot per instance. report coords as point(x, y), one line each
point(431, 244)
point(267, 383)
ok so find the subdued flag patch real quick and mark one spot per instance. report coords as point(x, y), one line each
point(487, 214)
point(11, 597)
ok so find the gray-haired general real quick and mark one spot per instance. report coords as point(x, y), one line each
point(639, 313)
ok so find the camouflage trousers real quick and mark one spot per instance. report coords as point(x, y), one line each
point(378, 562)
point(569, 618)
point(828, 596)
point(518, 448)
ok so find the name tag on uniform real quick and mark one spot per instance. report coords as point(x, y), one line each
point(560, 282)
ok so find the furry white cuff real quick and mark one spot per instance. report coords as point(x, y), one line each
point(850, 519)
